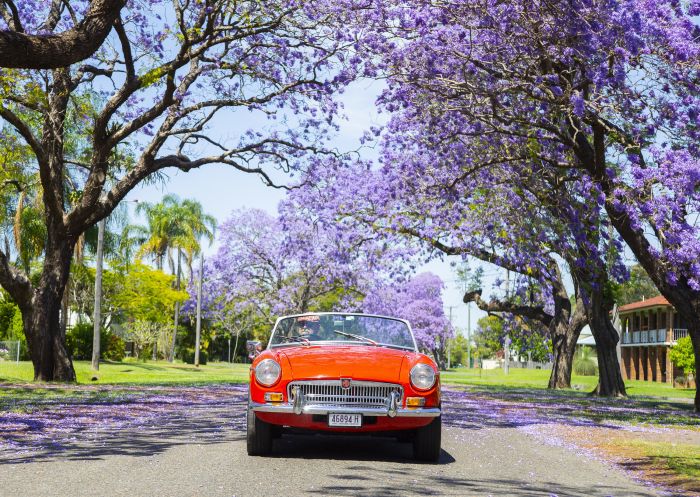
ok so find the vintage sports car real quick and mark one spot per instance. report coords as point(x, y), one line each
point(342, 372)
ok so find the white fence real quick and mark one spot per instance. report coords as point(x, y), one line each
point(499, 363)
point(9, 351)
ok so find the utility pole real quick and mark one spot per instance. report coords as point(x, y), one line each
point(506, 341)
point(199, 312)
point(96, 314)
point(469, 335)
point(506, 346)
point(177, 306)
point(449, 344)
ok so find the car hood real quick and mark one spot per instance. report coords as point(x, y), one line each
point(358, 362)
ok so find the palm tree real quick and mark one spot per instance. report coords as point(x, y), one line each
point(194, 225)
point(158, 231)
point(175, 227)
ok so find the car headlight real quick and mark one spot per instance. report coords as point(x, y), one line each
point(267, 372)
point(422, 376)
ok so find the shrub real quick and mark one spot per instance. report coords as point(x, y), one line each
point(680, 382)
point(682, 355)
point(585, 363)
point(188, 356)
point(79, 342)
point(114, 348)
point(585, 366)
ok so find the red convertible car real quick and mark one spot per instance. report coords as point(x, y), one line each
point(343, 372)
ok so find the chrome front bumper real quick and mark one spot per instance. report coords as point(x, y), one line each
point(286, 408)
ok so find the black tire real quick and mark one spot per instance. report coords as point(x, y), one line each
point(259, 435)
point(426, 444)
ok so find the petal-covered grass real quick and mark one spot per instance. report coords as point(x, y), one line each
point(657, 441)
point(137, 372)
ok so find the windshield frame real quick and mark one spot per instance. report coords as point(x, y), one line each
point(341, 342)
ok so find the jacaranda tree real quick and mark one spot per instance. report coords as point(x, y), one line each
point(144, 102)
point(269, 266)
point(419, 300)
point(603, 89)
point(480, 217)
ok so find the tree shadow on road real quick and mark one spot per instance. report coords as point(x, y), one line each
point(388, 484)
point(348, 448)
point(144, 440)
point(134, 426)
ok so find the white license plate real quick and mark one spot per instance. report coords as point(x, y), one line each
point(338, 419)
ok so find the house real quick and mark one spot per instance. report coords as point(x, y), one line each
point(649, 328)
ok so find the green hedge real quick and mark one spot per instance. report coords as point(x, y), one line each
point(79, 343)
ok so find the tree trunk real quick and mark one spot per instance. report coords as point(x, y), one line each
point(610, 383)
point(235, 347)
point(41, 317)
point(564, 346)
point(565, 328)
point(691, 315)
point(695, 338)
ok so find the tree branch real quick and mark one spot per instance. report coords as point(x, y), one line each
point(16, 283)
point(19, 50)
point(532, 312)
point(24, 131)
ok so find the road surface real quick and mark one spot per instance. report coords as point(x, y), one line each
point(201, 452)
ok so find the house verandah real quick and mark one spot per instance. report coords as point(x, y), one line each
point(649, 328)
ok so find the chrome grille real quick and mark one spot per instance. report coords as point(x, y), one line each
point(331, 393)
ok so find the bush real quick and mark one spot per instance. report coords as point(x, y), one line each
point(585, 367)
point(188, 356)
point(79, 342)
point(680, 382)
point(683, 356)
point(114, 348)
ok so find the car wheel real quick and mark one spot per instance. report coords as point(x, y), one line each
point(259, 435)
point(426, 444)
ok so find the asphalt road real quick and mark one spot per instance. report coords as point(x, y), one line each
point(206, 456)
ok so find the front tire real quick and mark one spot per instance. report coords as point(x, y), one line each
point(258, 435)
point(426, 444)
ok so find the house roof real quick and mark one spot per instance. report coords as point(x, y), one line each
point(643, 304)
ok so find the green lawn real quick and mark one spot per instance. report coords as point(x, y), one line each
point(137, 372)
point(164, 373)
point(538, 378)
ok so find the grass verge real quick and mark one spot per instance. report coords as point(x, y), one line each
point(538, 378)
point(137, 372)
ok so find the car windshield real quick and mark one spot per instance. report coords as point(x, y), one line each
point(346, 328)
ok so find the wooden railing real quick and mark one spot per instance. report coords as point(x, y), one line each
point(652, 336)
point(679, 333)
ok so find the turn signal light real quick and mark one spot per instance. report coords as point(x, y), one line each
point(415, 401)
point(273, 397)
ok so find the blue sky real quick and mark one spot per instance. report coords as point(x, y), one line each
point(222, 189)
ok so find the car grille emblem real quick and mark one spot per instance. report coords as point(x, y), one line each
point(345, 383)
